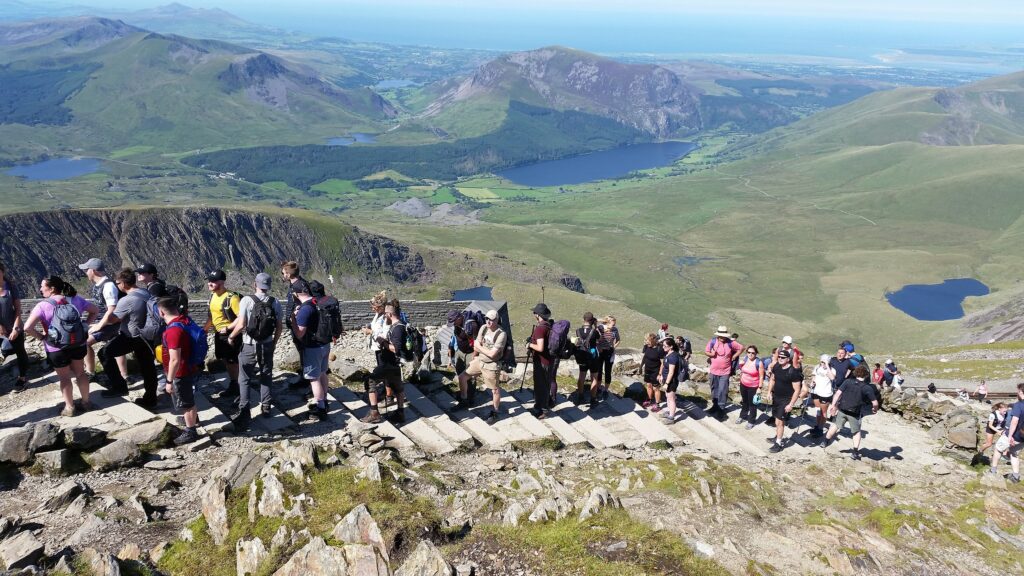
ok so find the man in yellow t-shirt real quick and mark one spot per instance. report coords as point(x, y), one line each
point(223, 312)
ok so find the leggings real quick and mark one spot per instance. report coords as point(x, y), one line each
point(541, 386)
point(748, 411)
point(607, 359)
point(19, 350)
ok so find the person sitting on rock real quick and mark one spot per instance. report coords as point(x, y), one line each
point(847, 407)
point(488, 347)
point(981, 392)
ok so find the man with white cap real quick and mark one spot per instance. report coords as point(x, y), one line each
point(105, 293)
point(722, 351)
point(259, 325)
point(488, 349)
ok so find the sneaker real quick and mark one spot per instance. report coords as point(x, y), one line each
point(655, 408)
point(19, 385)
point(186, 437)
point(114, 392)
point(749, 426)
point(855, 455)
point(740, 420)
point(492, 417)
point(1015, 478)
point(542, 415)
point(147, 403)
point(647, 404)
point(241, 420)
point(776, 448)
point(68, 412)
point(320, 413)
point(372, 418)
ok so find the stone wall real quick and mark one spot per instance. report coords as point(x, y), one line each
point(959, 425)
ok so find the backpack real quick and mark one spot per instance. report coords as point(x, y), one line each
point(66, 329)
point(558, 340)
point(587, 346)
point(262, 321)
point(153, 329)
point(198, 346)
point(225, 306)
point(856, 360)
point(406, 352)
point(328, 325)
point(472, 321)
point(852, 400)
point(413, 340)
point(173, 291)
point(604, 344)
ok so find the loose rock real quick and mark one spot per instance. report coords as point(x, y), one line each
point(425, 560)
point(99, 563)
point(249, 554)
point(21, 551)
point(118, 454)
point(359, 527)
point(213, 498)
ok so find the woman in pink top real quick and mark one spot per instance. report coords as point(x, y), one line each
point(751, 375)
point(66, 362)
point(721, 351)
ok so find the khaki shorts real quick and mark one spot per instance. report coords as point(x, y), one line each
point(476, 368)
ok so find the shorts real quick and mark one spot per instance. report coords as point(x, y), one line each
point(476, 368)
point(183, 393)
point(391, 376)
point(314, 362)
point(651, 377)
point(779, 411)
point(1003, 444)
point(63, 358)
point(822, 399)
point(851, 419)
point(228, 353)
point(1013, 450)
point(672, 386)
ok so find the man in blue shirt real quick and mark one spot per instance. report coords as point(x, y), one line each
point(1013, 439)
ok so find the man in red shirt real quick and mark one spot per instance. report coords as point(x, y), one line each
point(180, 376)
point(722, 351)
point(541, 361)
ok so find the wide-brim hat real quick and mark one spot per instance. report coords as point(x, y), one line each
point(723, 332)
point(542, 310)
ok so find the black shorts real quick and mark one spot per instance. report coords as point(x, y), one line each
point(779, 411)
point(672, 386)
point(63, 358)
point(822, 399)
point(651, 377)
point(183, 393)
point(224, 351)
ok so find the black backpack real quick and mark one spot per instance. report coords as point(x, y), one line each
point(329, 326)
point(153, 329)
point(852, 400)
point(262, 321)
point(225, 306)
point(406, 352)
point(413, 340)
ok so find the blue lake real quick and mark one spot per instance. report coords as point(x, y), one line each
point(477, 293)
point(936, 301)
point(598, 165)
point(354, 138)
point(56, 169)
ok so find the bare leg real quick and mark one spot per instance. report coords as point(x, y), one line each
point(65, 387)
point(90, 357)
point(856, 441)
point(463, 386)
point(650, 393)
point(319, 387)
point(122, 365)
point(82, 378)
point(670, 399)
point(780, 427)
point(191, 417)
point(496, 399)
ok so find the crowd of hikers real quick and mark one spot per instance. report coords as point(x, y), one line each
point(136, 312)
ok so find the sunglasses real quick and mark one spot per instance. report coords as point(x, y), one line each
point(751, 351)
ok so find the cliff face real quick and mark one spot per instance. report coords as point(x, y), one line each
point(185, 244)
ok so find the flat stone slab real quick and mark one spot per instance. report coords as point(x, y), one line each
point(593, 431)
point(646, 423)
point(488, 436)
point(455, 434)
point(565, 431)
point(725, 439)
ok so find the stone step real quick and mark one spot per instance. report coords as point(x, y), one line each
point(644, 422)
point(455, 434)
point(414, 435)
point(565, 431)
point(726, 437)
point(796, 433)
point(277, 423)
point(614, 423)
point(520, 414)
point(489, 436)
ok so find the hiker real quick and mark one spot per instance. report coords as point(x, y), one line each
point(685, 353)
point(722, 350)
point(488, 348)
point(796, 357)
point(606, 349)
point(105, 294)
point(314, 354)
point(259, 325)
point(751, 375)
point(130, 315)
point(994, 426)
point(981, 392)
point(64, 339)
point(377, 328)
point(889, 372)
point(180, 364)
point(662, 333)
point(587, 357)
point(538, 344)
point(650, 366)
point(848, 405)
point(147, 277)
point(290, 274)
point(877, 375)
point(223, 312)
point(1012, 440)
point(841, 367)
point(460, 345)
point(784, 387)
point(389, 371)
point(12, 331)
point(822, 392)
point(669, 377)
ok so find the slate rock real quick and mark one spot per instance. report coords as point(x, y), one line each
point(84, 438)
point(53, 461)
point(425, 560)
point(272, 500)
point(89, 530)
point(21, 551)
point(316, 557)
point(65, 494)
point(151, 435)
point(359, 527)
point(249, 554)
point(44, 435)
point(600, 497)
point(100, 563)
point(118, 454)
point(965, 436)
point(213, 499)
point(14, 447)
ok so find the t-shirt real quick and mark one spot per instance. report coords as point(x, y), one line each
point(245, 307)
point(610, 335)
point(378, 329)
point(105, 294)
point(721, 362)
point(491, 339)
point(876, 375)
point(855, 394)
point(396, 336)
point(132, 310)
point(672, 359)
point(176, 338)
point(45, 311)
point(652, 359)
point(308, 318)
point(220, 322)
point(7, 312)
point(541, 332)
point(822, 382)
point(750, 373)
point(1016, 410)
point(785, 383)
point(842, 368)
point(291, 302)
point(890, 371)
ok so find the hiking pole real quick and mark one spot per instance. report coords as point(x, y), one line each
point(526, 368)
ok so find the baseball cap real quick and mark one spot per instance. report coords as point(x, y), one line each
point(263, 281)
point(824, 358)
point(491, 315)
point(542, 310)
point(216, 276)
point(145, 268)
point(787, 339)
point(92, 264)
point(888, 361)
point(300, 287)
point(783, 354)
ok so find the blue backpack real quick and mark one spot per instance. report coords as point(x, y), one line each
point(198, 346)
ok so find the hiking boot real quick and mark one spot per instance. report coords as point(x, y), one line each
point(319, 413)
point(749, 426)
point(187, 437)
point(776, 448)
point(241, 420)
point(1015, 478)
point(147, 403)
point(19, 385)
point(397, 417)
point(83, 406)
point(114, 392)
point(740, 420)
point(492, 417)
point(721, 416)
point(372, 418)
point(265, 411)
point(855, 455)
point(68, 412)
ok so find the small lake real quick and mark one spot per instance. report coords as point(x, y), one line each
point(56, 169)
point(598, 165)
point(936, 301)
point(354, 138)
point(477, 293)
point(394, 83)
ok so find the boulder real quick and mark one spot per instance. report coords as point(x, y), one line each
point(551, 509)
point(65, 494)
point(527, 483)
point(83, 438)
point(44, 435)
point(316, 557)
point(369, 469)
point(118, 454)
point(1002, 512)
point(130, 551)
point(282, 538)
point(9, 525)
point(272, 500)
point(213, 499)
point(600, 497)
point(302, 453)
point(53, 461)
point(885, 479)
point(89, 530)
point(249, 554)
point(149, 436)
point(14, 446)
point(364, 559)
point(100, 563)
point(425, 560)
point(965, 436)
point(21, 551)
point(358, 527)
point(513, 513)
